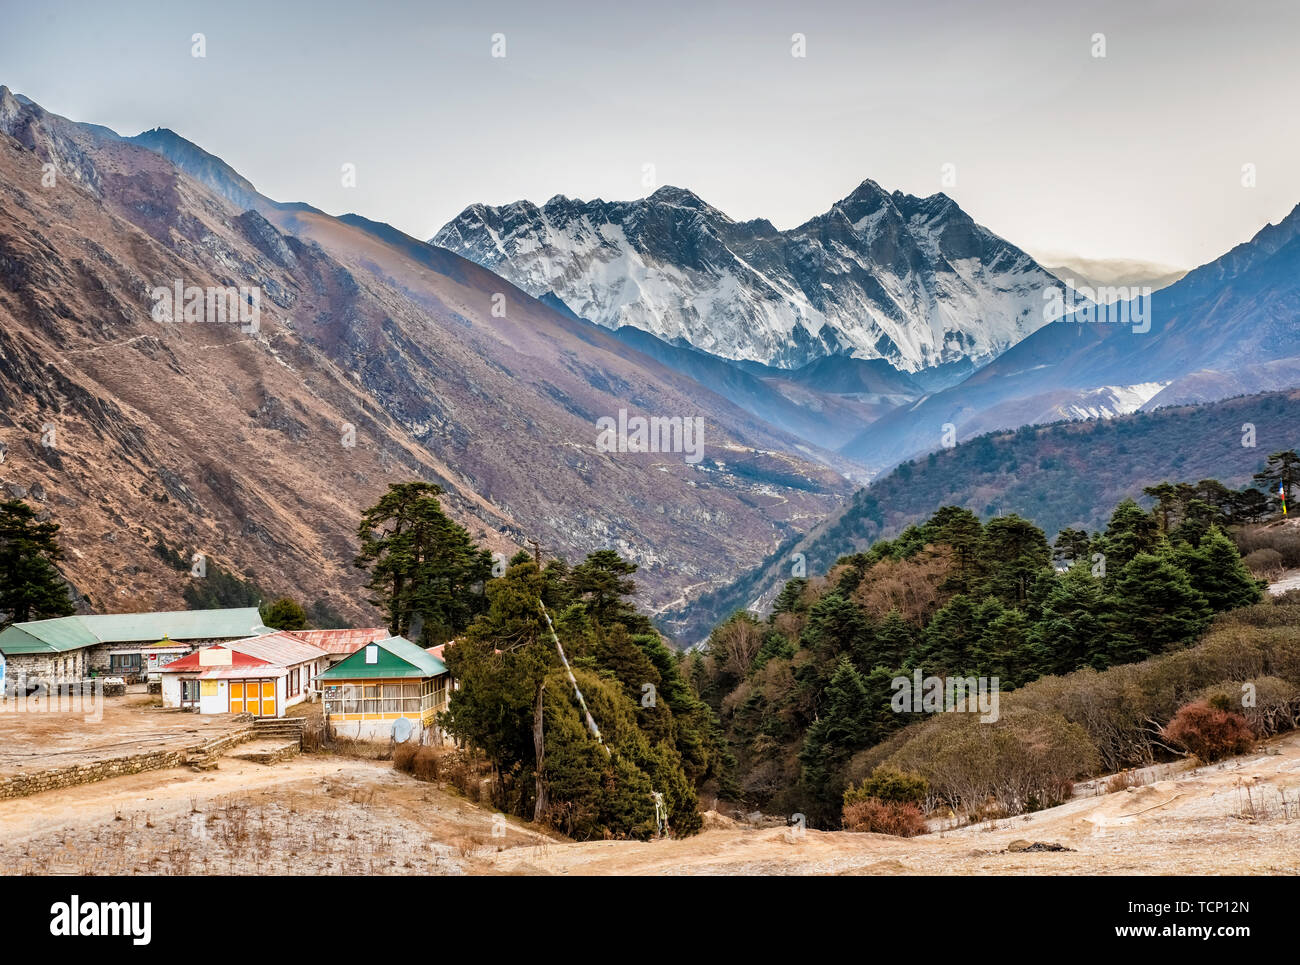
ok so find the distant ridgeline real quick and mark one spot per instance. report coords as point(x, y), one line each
point(1064, 475)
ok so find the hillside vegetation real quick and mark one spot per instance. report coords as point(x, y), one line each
point(1064, 475)
point(806, 697)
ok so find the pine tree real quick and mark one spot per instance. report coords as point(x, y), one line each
point(1014, 552)
point(1155, 606)
point(1216, 571)
point(842, 727)
point(788, 600)
point(1281, 471)
point(1131, 531)
point(30, 585)
point(603, 582)
point(1072, 630)
point(285, 614)
point(838, 626)
point(424, 568)
point(950, 639)
point(1071, 546)
point(896, 640)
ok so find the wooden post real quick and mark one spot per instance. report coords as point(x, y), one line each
point(539, 746)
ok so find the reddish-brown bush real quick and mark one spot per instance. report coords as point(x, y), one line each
point(884, 817)
point(419, 760)
point(1211, 733)
point(404, 757)
point(425, 764)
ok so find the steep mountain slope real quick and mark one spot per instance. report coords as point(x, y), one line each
point(1238, 317)
point(910, 280)
point(1068, 474)
point(235, 442)
point(825, 402)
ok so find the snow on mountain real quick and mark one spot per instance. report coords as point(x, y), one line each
point(910, 280)
point(1112, 400)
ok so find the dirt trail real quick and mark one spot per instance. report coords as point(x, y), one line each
point(319, 814)
point(1199, 822)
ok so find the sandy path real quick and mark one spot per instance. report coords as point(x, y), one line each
point(319, 814)
point(1196, 823)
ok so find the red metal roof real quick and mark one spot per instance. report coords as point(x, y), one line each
point(190, 662)
point(278, 649)
point(346, 641)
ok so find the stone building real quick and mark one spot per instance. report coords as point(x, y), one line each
point(129, 645)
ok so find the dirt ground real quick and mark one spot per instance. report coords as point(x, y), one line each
point(323, 814)
point(312, 815)
point(133, 724)
point(1242, 817)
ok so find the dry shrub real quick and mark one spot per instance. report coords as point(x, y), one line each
point(1117, 707)
point(314, 734)
point(1122, 781)
point(404, 757)
point(1273, 707)
point(1265, 563)
point(914, 587)
point(884, 817)
point(425, 764)
point(1283, 539)
point(1026, 761)
point(1211, 733)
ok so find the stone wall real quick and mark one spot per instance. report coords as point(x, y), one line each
point(20, 785)
point(47, 667)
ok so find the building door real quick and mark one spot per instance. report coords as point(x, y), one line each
point(237, 697)
point(268, 698)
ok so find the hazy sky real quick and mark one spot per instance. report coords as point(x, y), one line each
point(1137, 154)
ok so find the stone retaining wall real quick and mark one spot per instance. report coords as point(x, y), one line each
point(21, 785)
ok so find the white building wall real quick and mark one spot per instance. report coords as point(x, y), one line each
point(171, 689)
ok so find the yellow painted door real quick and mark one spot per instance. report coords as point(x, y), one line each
point(237, 698)
point(268, 698)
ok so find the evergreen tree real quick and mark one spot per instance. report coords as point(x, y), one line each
point(896, 640)
point(959, 529)
point(1072, 630)
point(602, 581)
point(950, 639)
point(1014, 552)
point(30, 585)
point(1155, 606)
point(1281, 471)
point(1131, 531)
point(842, 727)
point(1217, 572)
point(838, 626)
point(789, 599)
point(285, 614)
point(1071, 546)
point(425, 571)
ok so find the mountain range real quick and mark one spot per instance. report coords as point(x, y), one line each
point(913, 281)
point(819, 357)
point(1067, 474)
point(1228, 328)
point(377, 358)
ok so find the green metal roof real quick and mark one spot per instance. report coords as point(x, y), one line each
point(397, 657)
point(72, 633)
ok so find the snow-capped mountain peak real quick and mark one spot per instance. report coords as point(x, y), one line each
point(914, 281)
